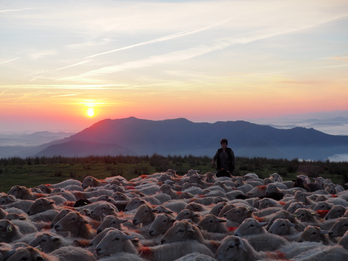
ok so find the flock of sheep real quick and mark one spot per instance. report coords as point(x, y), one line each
point(165, 216)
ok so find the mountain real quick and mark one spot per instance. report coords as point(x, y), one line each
point(31, 139)
point(132, 136)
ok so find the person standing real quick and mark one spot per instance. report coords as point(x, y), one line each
point(225, 160)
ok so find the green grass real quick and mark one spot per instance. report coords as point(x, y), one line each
point(32, 172)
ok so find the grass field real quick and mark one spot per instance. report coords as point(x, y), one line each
point(31, 172)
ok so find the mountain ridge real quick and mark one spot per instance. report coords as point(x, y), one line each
point(133, 136)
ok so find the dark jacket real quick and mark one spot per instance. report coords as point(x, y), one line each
point(231, 159)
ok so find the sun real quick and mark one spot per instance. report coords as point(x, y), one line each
point(90, 112)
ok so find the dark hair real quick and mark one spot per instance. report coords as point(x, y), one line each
point(224, 141)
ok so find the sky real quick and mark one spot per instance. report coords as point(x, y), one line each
point(65, 65)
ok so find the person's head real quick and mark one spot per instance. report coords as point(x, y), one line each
point(224, 143)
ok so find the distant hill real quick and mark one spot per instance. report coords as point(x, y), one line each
point(132, 136)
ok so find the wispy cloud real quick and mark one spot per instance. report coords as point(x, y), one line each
point(72, 65)
point(8, 61)
point(15, 10)
point(190, 53)
point(165, 38)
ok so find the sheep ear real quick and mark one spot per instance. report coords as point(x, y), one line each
point(55, 239)
point(241, 244)
point(263, 224)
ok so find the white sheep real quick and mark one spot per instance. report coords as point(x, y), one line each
point(234, 248)
point(339, 227)
point(67, 253)
point(250, 226)
point(212, 223)
point(314, 234)
point(161, 224)
point(110, 221)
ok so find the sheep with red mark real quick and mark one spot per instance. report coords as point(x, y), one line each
point(76, 225)
point(212, 223)
point(335, 212)
point(196, 257)
point(161, 224)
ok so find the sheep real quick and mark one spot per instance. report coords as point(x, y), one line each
point(67, 253)
point(49, 242)
point(306, 215)
point(68, 182)
point(284, 227)
point(122, 256)
point(76, 225)
point(90, 181)
point(31, 254)
point(217, 208)
point(314, 234)
point(196, 257)
point(238, 214)
point(173, 251)
point(339, 228)
point(188, 214)
point(212, 223)
point(234, 248)
point(250, 226)
point(268, 202)
point(8, 231)
point(145, 215)
point(335, 212)
point(326, 253)
point(161, 224)
point(110, 221)
point(21, 192)
point(43, 205)
point(103, 209)
point(184, 230)
point(113, 242)
point(134, 203)
point(344, 241)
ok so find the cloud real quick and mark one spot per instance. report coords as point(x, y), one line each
point(8, 61)
point(190, 53)
point(165, 38)
point(72, 65)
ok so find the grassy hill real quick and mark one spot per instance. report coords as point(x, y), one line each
point(31, 172)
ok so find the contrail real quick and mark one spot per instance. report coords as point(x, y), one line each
point(72, 65)
point(165, 38)
point(8, 61)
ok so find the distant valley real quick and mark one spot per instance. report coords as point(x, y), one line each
point(132, 136)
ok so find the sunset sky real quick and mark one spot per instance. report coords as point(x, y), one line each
point(201, 60)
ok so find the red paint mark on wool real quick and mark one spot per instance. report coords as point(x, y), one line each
point(322, 213)
point(334, 196)
point(201, 196)
point(282, 203)
point(39, 195)
point(143, 176)
point(179, 192)
point(260, 219)
point(277, 255)
point(69, 203)
point(129, 187)
point(145, 251)
point(82, 243)
point(262, 187)
point(95, 224)
point(231, 229)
